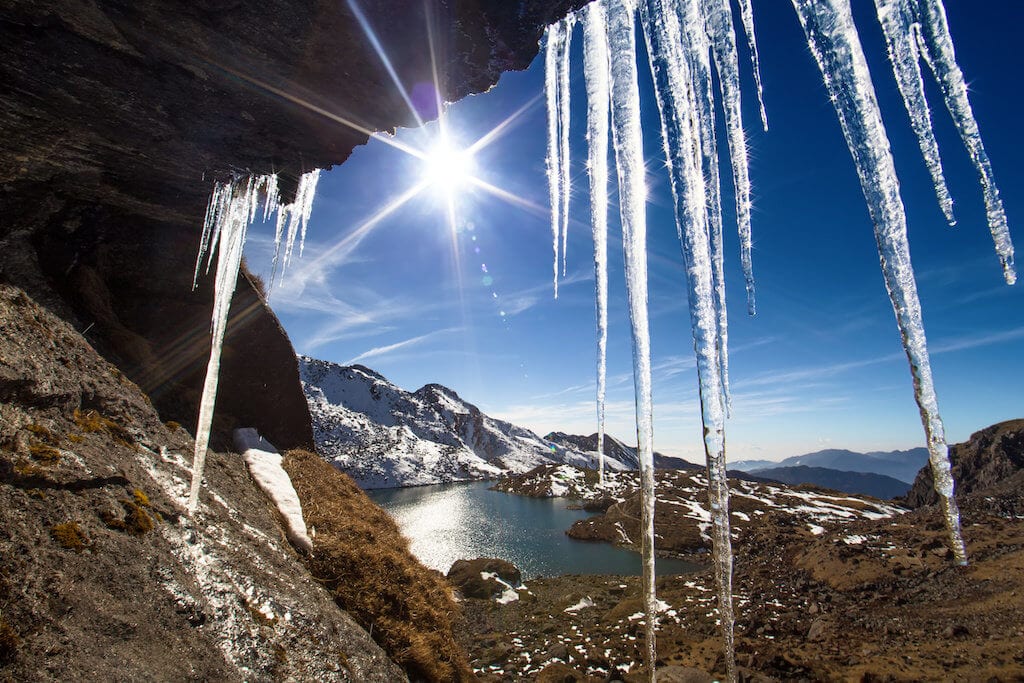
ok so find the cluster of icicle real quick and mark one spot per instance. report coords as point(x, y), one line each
point(685, 39)
point(233, 206)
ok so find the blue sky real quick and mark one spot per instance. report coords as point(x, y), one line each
point(820, 366)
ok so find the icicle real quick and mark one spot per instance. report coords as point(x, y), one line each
point(899, 25)
point(292, 220)
point(232, 207)
point(564, 115)
point(551, 64)
point(718, 17)
point(595, 70)
point(937, 47)
point(747, 13)
point(833, 39)
point(627, 140)
point(677, 96)
point(696, 49)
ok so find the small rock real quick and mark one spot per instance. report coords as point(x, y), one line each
point(817, 630)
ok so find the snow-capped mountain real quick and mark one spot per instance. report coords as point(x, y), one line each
point(384, 436)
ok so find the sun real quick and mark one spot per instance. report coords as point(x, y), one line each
point(447, 167)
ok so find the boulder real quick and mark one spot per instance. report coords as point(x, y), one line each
point(476, 578)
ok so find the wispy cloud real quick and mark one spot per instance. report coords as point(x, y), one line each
point(976, 340)
point(379, 351)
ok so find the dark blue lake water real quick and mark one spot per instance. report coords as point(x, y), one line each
point(466, 520)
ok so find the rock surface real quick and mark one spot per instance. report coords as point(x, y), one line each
point(103, 576)
point(476, 578)
point(990, 458)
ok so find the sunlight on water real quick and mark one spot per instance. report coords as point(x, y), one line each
point(463, 521)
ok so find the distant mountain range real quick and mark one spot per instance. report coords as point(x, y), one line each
point(901, 465)
point(385, 437)
point(864, 483)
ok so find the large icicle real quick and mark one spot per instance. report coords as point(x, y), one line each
point(696, 50)
point(627, 140)
point(232, 207)
point(937, 47)
point(833, 39)
point(899, 24)
point(677, 94)
point(747, 13)
point(595, 71)
point(718, 16)
point(552, 51)
point(564, 115)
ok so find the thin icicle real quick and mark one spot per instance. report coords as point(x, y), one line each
point(552, 51)
point(899, 24)
point(292, 220)
point(937, 47)
point(232, 207)
point(678, 93)
point(833, 39)
point(627, 140)
point(747, 13)
point(595, 71)
point(696, 49)
point(718, 17)
point(564, 115)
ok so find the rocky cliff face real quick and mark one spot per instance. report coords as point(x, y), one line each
point(117, 116)
point(991, 458)
point(102, 576)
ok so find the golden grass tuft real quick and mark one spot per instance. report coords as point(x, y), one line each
point(91, 421)
point(69, 535)
point(141, 498)
point(360, 556)
point(40, 452)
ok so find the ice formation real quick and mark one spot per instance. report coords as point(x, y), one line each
point(595, 71)
point(627, 141)
point(836, 47)
point(233, 206)
point(684, 39)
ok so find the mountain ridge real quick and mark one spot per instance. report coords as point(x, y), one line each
point(384, 436)
point(899, 464)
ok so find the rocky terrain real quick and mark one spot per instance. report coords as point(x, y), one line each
point(682, 518)
point(989, 458)
point(850, 599)
point(102, 574)
point(383, 436)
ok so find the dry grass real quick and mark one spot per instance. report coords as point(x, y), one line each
point(360, 556)
point(69, 535)
point(90, 421)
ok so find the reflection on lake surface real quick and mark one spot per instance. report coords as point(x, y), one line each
point(461, 521)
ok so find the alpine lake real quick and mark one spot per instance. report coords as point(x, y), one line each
point(466, 520)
